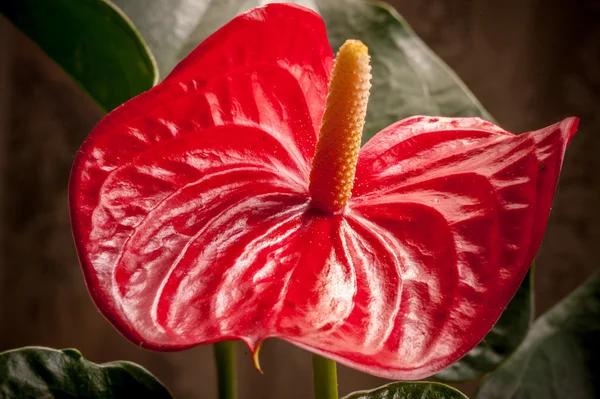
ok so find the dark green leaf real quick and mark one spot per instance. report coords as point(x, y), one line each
point(501, 341)
point(560, 358)
point(34, 372)
point(408, 78)
point(91, 40)
point(168, 27)
point(409, 390)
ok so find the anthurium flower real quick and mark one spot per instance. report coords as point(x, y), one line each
point(233, 201)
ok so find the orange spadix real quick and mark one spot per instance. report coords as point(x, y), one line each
point(334, 163)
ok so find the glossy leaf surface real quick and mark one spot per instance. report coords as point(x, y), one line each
point(91, 40)
point(35, 372)
point(408, 79)
point(560, 358)
point(192, 217)
point(409, 390)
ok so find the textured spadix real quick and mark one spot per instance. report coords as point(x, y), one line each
point(334, 163)
point(192, 215)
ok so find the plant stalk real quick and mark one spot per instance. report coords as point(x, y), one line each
point(325, 378)
point(224, 352)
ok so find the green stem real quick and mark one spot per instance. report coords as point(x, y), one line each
point(224, 352)
point(325, 378)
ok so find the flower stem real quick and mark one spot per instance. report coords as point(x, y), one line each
point(224, 352)
point(325, 378)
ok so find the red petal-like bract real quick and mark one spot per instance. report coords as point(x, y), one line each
point(193, 223)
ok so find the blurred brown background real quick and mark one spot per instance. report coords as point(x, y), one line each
point(530, 63)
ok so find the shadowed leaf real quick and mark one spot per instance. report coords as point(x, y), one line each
point(35, 372)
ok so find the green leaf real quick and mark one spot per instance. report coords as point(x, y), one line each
point(560, 358)
point(501, 342)
point(409, 390)
point(91, 40)
point(408, 78)
point(35, 372)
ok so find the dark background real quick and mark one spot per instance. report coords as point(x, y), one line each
point(530, 63)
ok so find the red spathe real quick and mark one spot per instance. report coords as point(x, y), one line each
point(193, 224)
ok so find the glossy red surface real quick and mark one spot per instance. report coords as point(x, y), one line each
point(193, 224)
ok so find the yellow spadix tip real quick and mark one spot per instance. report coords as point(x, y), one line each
point(354, 46)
